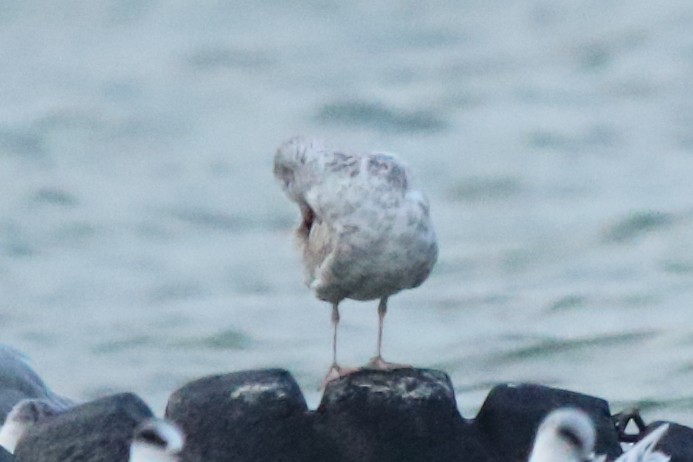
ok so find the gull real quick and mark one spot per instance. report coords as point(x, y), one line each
point(568, 435)
point(23, 415)
point(365, 233)
point(156, 440)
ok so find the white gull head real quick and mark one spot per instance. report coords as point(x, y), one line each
point(156, 440)
point(565, 435)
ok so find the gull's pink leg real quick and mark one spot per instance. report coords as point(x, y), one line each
point(335, 370)
point(378, 362)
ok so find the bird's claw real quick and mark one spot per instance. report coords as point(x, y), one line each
point(337, 372)
point(378, 363)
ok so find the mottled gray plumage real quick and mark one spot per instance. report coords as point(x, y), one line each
point(366, 232)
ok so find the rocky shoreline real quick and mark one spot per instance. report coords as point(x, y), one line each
point(405, 415)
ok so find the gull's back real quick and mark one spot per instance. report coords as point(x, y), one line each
point(337, 184)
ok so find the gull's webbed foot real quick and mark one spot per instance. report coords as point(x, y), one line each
point(337, 372)
point(378, 363)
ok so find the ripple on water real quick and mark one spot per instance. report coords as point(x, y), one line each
point(216, 220)
point(681, 267)
point(21, 143)
point(481, 189)
point(210, 219)
point(220, 57)
point(54, 196)
point(366, 114)
point(568, 302)
point(14, 242)
point(593, 138)
point(229, 339)
point(135, 342)
point(637, 224)
point(548, 347)
point(650, 404)
point(175, 291)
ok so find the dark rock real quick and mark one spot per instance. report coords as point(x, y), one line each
point(97, 431)
point(404, 415)
point(677, 442)
point(5, 456)
point(401, 415)
point(511, 414)
point(244, 416)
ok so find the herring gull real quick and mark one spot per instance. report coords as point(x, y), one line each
point(365, 233)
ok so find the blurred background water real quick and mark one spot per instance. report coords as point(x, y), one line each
point(144, 243)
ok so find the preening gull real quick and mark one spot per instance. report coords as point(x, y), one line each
point(568, 435)
point(23, 415)
point(156, 440)
point(365, 232)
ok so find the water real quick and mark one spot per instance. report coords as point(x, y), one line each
point(143, 242)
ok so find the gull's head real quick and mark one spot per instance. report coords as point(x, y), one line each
point(156, 440)
point(294, 175)
point(565, 435)
point(23, 415)
point(289, 159)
